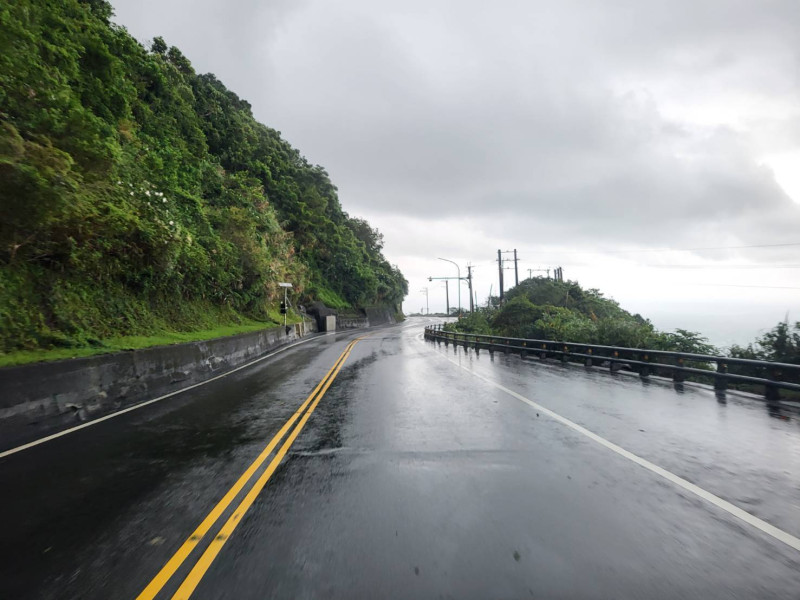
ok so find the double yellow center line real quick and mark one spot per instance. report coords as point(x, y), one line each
point(204, 562)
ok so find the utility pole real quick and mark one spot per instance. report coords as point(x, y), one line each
point(469, 283)
point(447, 295)
point(427, 307)
point(516, 270)
point(500, 270)
point(459, 282)
point(532, 271)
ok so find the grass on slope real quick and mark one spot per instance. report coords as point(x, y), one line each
point(135, 342)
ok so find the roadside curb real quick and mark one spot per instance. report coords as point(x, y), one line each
point(43, 398)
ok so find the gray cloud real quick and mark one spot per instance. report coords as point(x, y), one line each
point(608, 124)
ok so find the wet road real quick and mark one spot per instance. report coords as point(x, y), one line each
point(422, 472)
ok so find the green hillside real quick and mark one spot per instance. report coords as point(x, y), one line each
point(138, 197)
point(541, 308)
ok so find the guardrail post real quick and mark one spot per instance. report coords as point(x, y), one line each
point(644, 370)
point(678, 375)
point(588, 361)
point(771, 392)
point(491, 348)
point(721, 383)
point(477, 345)
point(543, 353)
point(506, 348)
point(613, 365)
point(565, 354)
point(523, 353)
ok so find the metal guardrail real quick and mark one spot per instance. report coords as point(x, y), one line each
point(769, 374)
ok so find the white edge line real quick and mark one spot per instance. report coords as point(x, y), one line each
point(771, 530)
point(148, 402)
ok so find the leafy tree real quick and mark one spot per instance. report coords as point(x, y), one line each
point(472, 323)
point(562, 324)
point(682, 340)
point(517, 318)
point(780, 344)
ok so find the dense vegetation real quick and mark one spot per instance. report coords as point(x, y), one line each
point(137, 196)
point(541, 308)
point(780, 344)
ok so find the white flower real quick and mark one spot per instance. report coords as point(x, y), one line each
point(147, 193)
point(172, 222)
point(164, 200)
point(119, 183)
point(131, 193)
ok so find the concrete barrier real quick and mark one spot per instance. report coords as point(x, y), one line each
point(330, 323)
point(351, 322)
point(42, 398)
point(380, 315)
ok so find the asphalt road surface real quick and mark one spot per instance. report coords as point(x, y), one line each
point(374, 464)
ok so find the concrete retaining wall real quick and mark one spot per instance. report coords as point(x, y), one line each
point(42, 398)
point(380, 315)
point(369, 317)
point(351, 322)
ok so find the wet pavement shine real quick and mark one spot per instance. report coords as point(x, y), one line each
point(423, 471)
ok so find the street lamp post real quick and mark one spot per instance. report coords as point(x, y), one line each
point(459, 282)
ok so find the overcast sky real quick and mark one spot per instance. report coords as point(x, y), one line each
point(600, 136)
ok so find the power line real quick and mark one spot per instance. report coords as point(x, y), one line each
point(668, 266)
point(722, 266)
point(766, 287)
point(642, 250)
point(735, 247)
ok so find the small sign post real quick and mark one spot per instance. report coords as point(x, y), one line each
point(284, 304)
